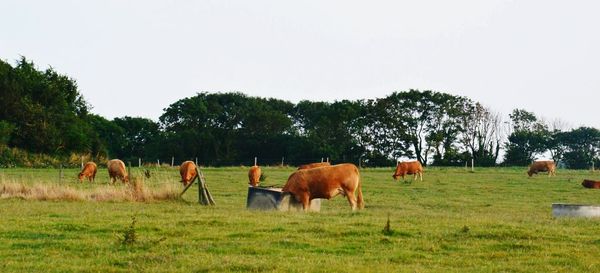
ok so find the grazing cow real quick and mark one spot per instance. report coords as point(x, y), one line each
point(591, 184)
point(411, 167)
point(188, 172)
point(116, 170)
point(89, 171)
point(313, 165)
point(326, 182)
point(254, 175)
point(542, 166)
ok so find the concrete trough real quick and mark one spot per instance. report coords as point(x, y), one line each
point(575, 210)
point(273, 199)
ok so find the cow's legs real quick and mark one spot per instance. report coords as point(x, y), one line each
point(305, 200)
point(421, 176)
point(351, 199)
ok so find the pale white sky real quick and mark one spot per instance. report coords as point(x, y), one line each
point(137, 57)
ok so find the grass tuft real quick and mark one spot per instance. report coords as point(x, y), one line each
point(129, 236)
point(387, 230)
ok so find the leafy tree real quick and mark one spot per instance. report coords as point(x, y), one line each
point(138, 135)
point(45, 109)
point(225, 128)
point(6, 130)
point(529, 137)
point(383, 125)
point(582, 146)
point(447, 126)
point(108, 137)
point(329, 129)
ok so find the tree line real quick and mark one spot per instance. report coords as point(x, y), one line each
point(43, 112)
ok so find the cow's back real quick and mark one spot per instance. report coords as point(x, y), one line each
point(542, 165)
point(313, 165)
point(187, 171)
point(411, 167)
point(89, 168)
point(116, 167)
point(414, 167)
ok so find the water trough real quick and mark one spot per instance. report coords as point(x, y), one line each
point(575, 210)
point(271, 198)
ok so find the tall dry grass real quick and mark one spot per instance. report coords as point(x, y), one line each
point(135, 191)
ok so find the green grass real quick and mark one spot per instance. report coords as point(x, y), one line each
point(492, 220)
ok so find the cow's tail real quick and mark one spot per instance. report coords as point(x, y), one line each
point(359, 197)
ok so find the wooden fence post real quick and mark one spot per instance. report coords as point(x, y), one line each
point(204, 196)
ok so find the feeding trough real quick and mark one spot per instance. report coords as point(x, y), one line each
point(575, 210)
point(261, 198)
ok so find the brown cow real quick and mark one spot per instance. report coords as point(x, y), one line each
point(542, 166)
point(591, 184)
point(188, 172)
point(411, 167)
point(326, 182)
point(89, 171)
point(116, 170)
point(254, 175)
point(313, 165)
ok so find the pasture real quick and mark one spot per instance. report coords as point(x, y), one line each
point(491, 220)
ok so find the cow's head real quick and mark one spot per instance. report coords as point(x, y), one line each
point(126, 179)
point(398, 171)
point(80, 176)
point(530, 173)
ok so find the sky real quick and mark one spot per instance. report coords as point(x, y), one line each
point(135, 58)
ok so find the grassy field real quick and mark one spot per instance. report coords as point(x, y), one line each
point(491, 220)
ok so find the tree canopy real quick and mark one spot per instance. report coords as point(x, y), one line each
point(42, 111)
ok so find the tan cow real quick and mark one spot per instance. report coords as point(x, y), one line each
point(542, 166)
point(326, 182)
point(254, 176)
point(89, 171)
point(116, 170)
point(313, 165)
point(410, 167)
point(188, 172)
